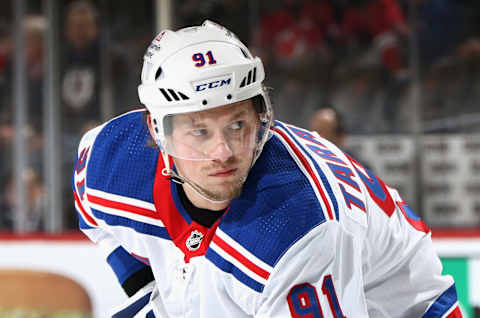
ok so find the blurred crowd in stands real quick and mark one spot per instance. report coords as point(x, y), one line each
point(366, 59)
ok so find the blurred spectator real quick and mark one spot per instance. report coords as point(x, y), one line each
point(86, 80)
point(449, 39)
point(35, 26)
point(444, 26)
point(293, 36)
point(328, 123)
point(293, 40)
point(34, 56)
point(372, 34)
point(470, 49)
point(81, 78)
point(6, 48)
point(36, 204)
point(81, 82)
point(34, 143)
point(438, 29)
point(380, 25)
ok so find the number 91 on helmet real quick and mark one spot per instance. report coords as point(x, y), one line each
point(204, 92)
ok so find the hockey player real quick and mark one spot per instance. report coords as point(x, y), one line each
point(205, 207)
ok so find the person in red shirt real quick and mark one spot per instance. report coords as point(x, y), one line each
point(381, 22)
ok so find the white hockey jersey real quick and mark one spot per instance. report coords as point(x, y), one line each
point(313, 234)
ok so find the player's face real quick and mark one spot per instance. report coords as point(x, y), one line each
point(226, 136)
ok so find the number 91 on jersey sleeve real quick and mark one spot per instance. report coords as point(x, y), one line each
point(303, 300)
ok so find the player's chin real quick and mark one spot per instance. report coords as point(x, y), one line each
point(227, 190)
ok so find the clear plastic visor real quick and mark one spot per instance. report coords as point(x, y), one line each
point(215, 134)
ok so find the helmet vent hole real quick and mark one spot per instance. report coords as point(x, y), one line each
point(154, 121)
point(204, 102)
point(229, 96)
point(183, 96)
point(244, 53)
point(158, 73)
point(171, 95)
point(156, 130)
point(250, 78)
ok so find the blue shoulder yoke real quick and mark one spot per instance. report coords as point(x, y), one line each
point(121, 161)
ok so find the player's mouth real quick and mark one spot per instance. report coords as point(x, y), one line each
point(223, 173)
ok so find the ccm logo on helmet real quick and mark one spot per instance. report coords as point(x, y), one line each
point(213, 84)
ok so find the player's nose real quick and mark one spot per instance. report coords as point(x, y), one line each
point(221, 151)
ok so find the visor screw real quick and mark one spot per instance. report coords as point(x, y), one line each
point(204, 102)
point(229, 96)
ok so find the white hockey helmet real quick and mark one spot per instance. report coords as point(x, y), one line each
point(199, 68)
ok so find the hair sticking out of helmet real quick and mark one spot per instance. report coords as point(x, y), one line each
point(195, 69)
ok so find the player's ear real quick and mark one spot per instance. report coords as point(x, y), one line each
point(149, 125)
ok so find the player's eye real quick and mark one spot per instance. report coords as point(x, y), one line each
point(236, 125)
point(198, 132)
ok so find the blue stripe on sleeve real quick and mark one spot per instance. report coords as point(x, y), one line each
point(443, 303)
point(123, 264)
point(134, 308)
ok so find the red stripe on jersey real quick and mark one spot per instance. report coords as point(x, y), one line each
point(122, 206)
point(456, 313)
point(239, 257)
point(309, 170)
point(82, 210)
point(163, 199)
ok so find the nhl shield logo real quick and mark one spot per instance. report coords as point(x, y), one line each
point(194, 240)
